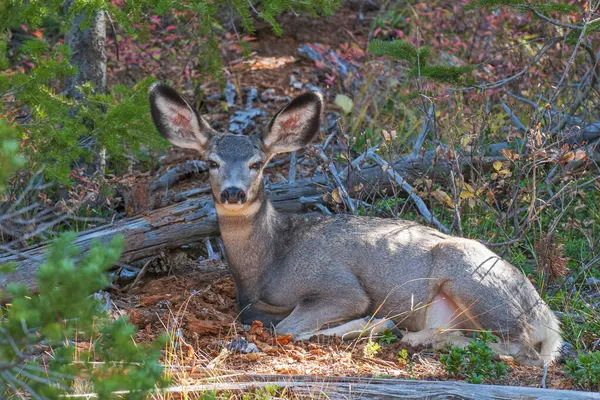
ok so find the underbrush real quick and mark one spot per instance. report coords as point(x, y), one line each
point(475, 363)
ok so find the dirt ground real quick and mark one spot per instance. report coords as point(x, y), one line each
point(196, 307)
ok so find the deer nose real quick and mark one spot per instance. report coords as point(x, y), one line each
point(233, 195)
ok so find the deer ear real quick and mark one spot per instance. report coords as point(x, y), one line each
point(176, 120)
point(295, 125)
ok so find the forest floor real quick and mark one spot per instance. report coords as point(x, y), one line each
point(194, 300)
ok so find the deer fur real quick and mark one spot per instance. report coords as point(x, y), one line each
point(303, 274)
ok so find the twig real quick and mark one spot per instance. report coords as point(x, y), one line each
point(421, 206)
point(544, 376)
point(329, 138)
point(549, 44)
point(356, 162)
point(457, 218)
point(520, 126)
point(179, 172)
point(139, 276)
point(323, 209)
point(500, 244)
point(425, 129)
point(339, 183)
point(292, 173)
point(555, 22)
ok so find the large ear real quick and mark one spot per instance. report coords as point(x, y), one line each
point(176, 120)
point(295, 125)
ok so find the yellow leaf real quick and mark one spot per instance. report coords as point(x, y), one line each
point(465, 140)
point(389, 136)
point(566, 158)
point(497, 165)
point(505, 173)
point(509, 155)
point(344, 102)
point(580, 155)
point(443, 197)
point(466, 195)
point(337, 196)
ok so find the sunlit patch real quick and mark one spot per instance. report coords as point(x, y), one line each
point(270, 62)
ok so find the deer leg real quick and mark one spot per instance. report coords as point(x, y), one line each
point(367, 326)
point(311, 314)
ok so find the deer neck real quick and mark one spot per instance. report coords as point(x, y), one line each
point(249, 238)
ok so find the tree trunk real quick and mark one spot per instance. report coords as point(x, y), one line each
point(88, 55)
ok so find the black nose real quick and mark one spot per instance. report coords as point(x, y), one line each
point(233, 195)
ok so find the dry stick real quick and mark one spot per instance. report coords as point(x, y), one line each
point(572, 58)
point(339, 183)
point(140, 275)
point(504, 81)
point(455, 194)
point(355, 164)
point(408, 189)
point(425, 129)
point(177, 173)
point(292, 172)
point(520, 126)
point(583, 94)
point(329, 138)
point(553, 21)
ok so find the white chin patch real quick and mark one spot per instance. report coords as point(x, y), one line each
point(232, 207)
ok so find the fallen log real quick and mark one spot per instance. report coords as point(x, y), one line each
point(370, 388)
point(163, 229)
point(193, 219)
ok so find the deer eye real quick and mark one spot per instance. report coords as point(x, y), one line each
point(257, 165)
point(212, 165)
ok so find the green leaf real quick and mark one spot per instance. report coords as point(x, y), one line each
point(400, 50)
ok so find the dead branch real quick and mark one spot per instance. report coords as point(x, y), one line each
point(178, 173)
point(421, 206)
point(371, 388)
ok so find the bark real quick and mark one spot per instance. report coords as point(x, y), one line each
point(88, 55)
point(377, 388)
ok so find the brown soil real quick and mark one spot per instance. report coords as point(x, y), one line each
point(196, 307)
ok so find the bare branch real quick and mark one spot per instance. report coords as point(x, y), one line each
point(338, 182)
point(425, 129)
point(518, 124)
point(421, 206)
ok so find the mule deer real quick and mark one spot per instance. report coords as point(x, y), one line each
point(302, 273)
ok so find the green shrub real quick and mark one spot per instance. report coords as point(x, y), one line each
point(10, 159)
point(475, 363)
point(585, 370)
point(62, 314)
